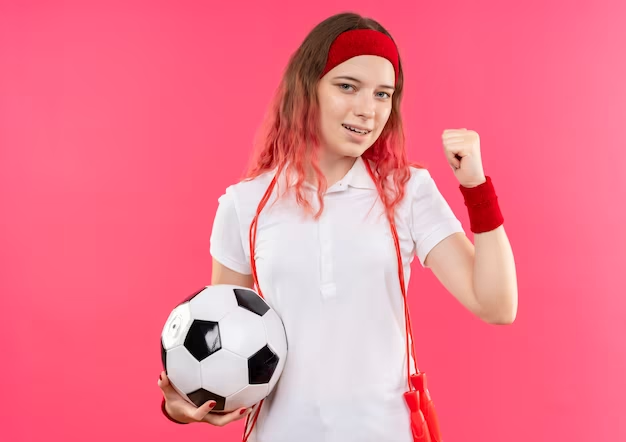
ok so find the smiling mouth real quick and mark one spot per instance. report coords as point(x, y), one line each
point(355, 130)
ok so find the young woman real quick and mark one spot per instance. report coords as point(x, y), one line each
point(326, 226)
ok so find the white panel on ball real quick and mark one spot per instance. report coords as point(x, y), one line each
point(247, 397)
point(224, 373)
point(183, 369)
point(213, 307)
point(276, 337)
point(176, 327)
point(242, 332)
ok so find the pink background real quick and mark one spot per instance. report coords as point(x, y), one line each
point(121, 123)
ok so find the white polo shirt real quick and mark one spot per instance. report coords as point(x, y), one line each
point(334, 283)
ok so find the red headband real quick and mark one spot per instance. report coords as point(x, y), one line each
point(361, 42)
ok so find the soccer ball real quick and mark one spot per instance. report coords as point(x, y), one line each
point(224, 343)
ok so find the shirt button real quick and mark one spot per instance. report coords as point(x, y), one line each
point(329, 290)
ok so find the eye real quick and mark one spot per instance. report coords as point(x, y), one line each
point(345, 86)
point(384, 95)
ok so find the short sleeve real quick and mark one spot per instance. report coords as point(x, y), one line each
point(227, 244)
point(432, 219)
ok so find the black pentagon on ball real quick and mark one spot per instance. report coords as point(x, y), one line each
point(163, 356)
point(203, 339)
point(261, 366)
point(251, 301)
point(200, 396)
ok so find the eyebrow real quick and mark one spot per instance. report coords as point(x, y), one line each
point(344, 77)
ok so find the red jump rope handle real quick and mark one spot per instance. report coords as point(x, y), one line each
point(419, 428)
point(427, 407)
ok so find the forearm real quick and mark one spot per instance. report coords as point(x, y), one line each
point(495, 279)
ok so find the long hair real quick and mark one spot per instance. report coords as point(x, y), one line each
point(289, 137)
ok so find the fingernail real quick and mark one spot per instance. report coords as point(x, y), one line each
point(212, 404)
point(243, 411)
point(160, 377)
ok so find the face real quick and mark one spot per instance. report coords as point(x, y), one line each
point(355, 104)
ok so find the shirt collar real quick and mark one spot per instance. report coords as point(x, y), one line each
point(357, 177)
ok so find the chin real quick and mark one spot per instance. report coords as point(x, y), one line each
point(358, 152)
point(351, 150)
point(350, 153)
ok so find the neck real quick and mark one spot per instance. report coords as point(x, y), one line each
point(334, 168)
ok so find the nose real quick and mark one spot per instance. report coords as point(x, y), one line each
point(364, 105)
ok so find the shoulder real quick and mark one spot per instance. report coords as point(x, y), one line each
point(419, 183)
point(245, 195)
point(418, 177)
point(423, 200)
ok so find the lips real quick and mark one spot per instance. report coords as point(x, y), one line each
point(357, 129)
